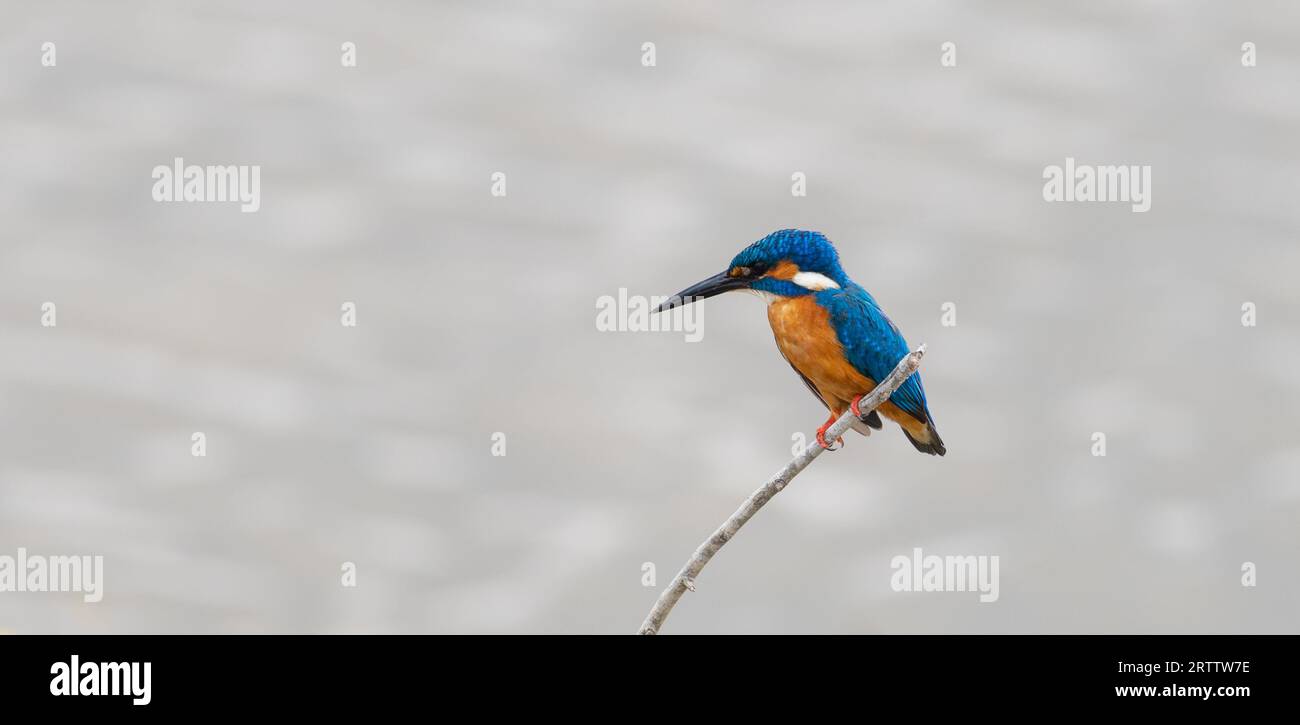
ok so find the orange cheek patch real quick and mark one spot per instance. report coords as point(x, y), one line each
point(785, 269)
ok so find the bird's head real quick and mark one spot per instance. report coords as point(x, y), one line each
point(788, 263)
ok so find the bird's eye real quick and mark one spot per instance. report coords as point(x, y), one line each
point(757, 268)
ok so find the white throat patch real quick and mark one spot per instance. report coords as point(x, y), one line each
point(814, 281)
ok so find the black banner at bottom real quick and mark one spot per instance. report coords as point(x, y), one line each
point(247, 674)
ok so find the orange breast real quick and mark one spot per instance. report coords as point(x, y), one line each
point(805, 337)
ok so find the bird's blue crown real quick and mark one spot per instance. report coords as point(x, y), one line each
point(810, 251)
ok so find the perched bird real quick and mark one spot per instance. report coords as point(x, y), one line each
point(829, 329)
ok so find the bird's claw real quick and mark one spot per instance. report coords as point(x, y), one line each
point(821, 441)
point(821, 438)
point(853, 408)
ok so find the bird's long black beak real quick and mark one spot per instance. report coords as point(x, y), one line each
point(715, 285)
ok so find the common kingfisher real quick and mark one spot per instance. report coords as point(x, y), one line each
point(830, 330)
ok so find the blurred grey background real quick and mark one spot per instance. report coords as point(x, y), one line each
point(476, 314)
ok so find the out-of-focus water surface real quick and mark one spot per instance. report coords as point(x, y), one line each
point(476, 314)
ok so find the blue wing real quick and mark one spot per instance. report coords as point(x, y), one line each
point(873, 344)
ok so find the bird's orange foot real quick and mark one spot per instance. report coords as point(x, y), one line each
point(821, 435)
point(853, 407)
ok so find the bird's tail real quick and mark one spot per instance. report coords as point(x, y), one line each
point(925, 438)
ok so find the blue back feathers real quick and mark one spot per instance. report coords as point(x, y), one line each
point(872, 343)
